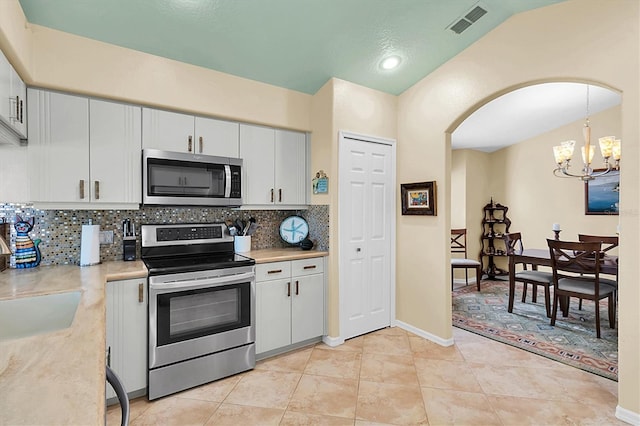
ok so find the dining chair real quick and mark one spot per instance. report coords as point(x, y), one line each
point(459, 246)
point(576, 273)
point(513, 243)
point(608, 243)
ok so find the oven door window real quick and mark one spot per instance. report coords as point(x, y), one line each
point(190, 314)
point(185, 179)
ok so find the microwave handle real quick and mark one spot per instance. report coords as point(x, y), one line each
point(227, 181)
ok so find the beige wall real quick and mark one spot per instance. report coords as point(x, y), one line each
point(343, 106)
point(531, 190)
point(471, 185)
point(458, 189)
point(577, 40)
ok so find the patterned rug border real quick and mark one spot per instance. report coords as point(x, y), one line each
point(581, 361)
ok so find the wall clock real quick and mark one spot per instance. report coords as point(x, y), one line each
point(294, 229)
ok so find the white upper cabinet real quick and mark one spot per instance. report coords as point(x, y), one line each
point(5, 88)
point(274, 166)
point(173, 131)
point(290, 167)
point(59, 147)
point(115, 134)
point(83, 153)
point(13, 108)
point(18, 97)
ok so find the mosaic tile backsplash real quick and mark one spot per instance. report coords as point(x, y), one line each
point(60, 230)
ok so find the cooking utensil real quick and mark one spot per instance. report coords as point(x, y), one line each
point(252, 228)
point(240, 225)
point(246, 228)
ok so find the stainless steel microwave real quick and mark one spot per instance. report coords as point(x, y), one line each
point(181, 179)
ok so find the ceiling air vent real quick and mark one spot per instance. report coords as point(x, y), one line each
point(465, 21)
point(460, 26)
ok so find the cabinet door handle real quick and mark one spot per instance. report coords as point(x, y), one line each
point(272, 195)
point(140, 292)
point(14, 113)
point(297, 288)
point(280, 195)
point(310, 267)
point(200, 144)
point(289, 289)
point(274, 271)
point(190, 144)
point(96, 189)
point(21, 113)
point(82, 189)
point(109, 356)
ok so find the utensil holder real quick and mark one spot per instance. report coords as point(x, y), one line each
point(242, 243)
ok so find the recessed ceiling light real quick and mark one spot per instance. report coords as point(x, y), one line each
point(390, 63)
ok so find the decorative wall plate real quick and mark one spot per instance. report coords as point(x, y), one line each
point(294, 229)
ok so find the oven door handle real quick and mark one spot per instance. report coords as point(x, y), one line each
point(204, 283)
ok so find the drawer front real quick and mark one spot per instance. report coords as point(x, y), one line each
point(311, 266)
point(273, 271)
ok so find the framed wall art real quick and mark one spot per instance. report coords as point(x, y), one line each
point(602, 194)
point(418, 198)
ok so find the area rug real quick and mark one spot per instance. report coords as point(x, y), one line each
point(571, 341)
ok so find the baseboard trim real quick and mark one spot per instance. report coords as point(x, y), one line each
point(432, 337)
point(332, 341)
point(628, 416)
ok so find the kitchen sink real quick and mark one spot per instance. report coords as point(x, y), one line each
point(29, 316)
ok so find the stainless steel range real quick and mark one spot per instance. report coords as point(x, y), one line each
point(201, 306)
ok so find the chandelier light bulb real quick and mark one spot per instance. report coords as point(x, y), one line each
point(609, 148)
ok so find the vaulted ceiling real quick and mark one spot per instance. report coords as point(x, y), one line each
point(296, 44)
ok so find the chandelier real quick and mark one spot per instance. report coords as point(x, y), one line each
point(609, 148)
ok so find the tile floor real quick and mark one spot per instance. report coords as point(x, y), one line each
point(393, 377)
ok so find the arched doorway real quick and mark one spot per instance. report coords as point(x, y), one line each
point(520, 176)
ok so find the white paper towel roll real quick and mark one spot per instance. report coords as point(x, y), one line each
point(90, 245)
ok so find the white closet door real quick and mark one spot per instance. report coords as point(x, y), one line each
point(366, 217)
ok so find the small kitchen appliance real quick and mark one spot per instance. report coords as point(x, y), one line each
point(201, 306)
point(128, 240)
point(182, 179)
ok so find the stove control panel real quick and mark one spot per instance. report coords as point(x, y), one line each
point(161, 235)
point(189, 233)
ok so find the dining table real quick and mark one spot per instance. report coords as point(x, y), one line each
point(542, 257)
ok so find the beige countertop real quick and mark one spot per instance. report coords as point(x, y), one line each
point(59, 377)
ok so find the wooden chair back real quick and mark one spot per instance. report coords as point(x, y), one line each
point(459, 241)
point(607, 242)
point(513, 242)
point(578, 257)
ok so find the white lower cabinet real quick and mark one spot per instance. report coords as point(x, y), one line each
point(290, 305)
point(126, 302)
